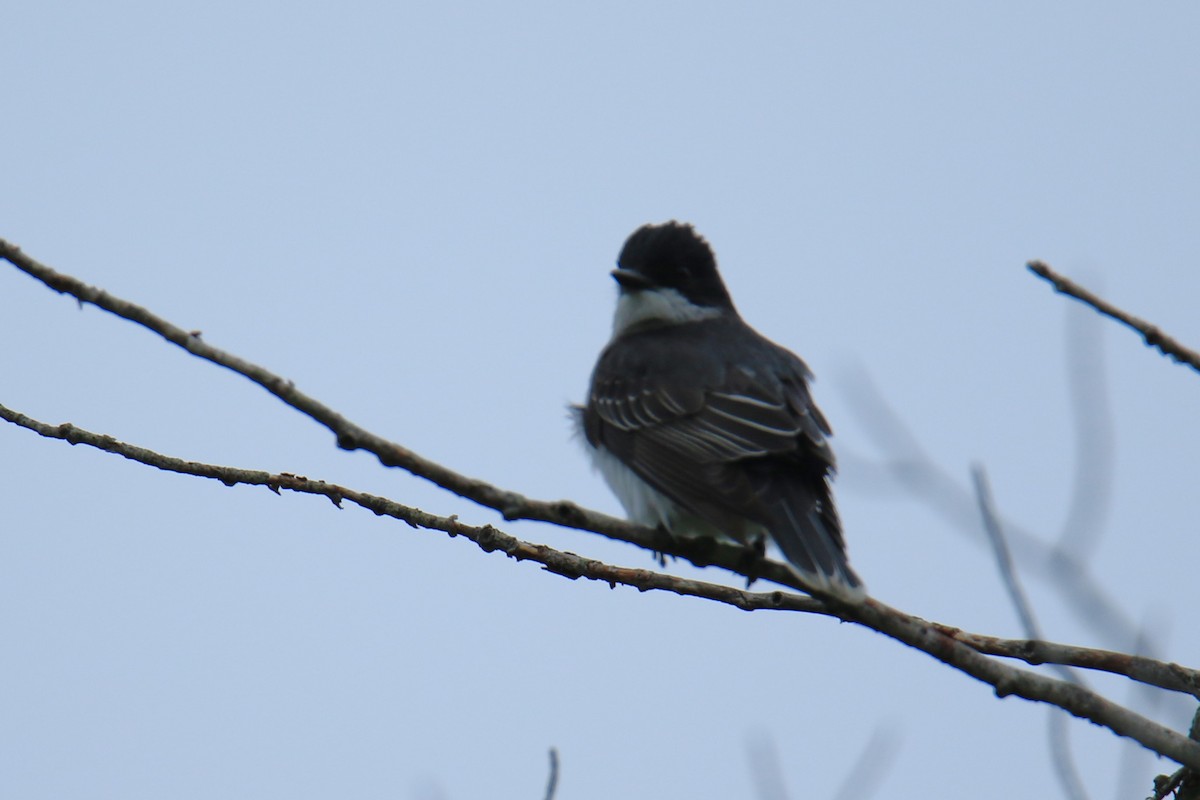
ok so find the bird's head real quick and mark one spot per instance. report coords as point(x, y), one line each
point(667, 274)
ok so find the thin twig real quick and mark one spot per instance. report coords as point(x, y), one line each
point(1150, 333)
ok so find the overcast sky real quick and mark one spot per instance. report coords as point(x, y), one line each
point(411, 210)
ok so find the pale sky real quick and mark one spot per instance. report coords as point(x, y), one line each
point(411, 210)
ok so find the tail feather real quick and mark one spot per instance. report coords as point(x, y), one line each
point(808, 532)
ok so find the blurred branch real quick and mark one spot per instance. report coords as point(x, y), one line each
point(871, 766)
point(917, 633)
point(1063, 564)
point(909, 465)
point(552, 781)
point(1092, 424)
point(1060, 748)
point(1150, 333)
point(765, 769)
point(991, 524)
point(1135, 761)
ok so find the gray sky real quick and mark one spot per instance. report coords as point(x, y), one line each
point(410, 211)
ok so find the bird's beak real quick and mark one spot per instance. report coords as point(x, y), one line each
point(631, 281)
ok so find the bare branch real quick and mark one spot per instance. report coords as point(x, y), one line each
point(1164, 675)
point(1079, 701)
point(943, 643)
point(1172, 677)
point(487, 537)
point(871, 613)
point(350, 436)
point(1150, 333)
point(965, 651)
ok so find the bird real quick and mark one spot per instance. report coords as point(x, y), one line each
point(704, 427)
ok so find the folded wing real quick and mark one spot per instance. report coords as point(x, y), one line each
point(733, 446)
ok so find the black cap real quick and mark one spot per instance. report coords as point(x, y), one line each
point(672, 256)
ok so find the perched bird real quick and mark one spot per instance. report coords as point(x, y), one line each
point(703, 426)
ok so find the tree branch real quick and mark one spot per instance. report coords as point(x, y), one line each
point(917, 633)
point(1172, 677)
point(1150, 333)
point(487, 537)
point(961, 650)
point(1164, 675)
point(511, 505)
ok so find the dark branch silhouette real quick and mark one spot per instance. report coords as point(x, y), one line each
point(1150, 333)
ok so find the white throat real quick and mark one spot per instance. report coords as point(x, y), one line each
point(657, 305)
